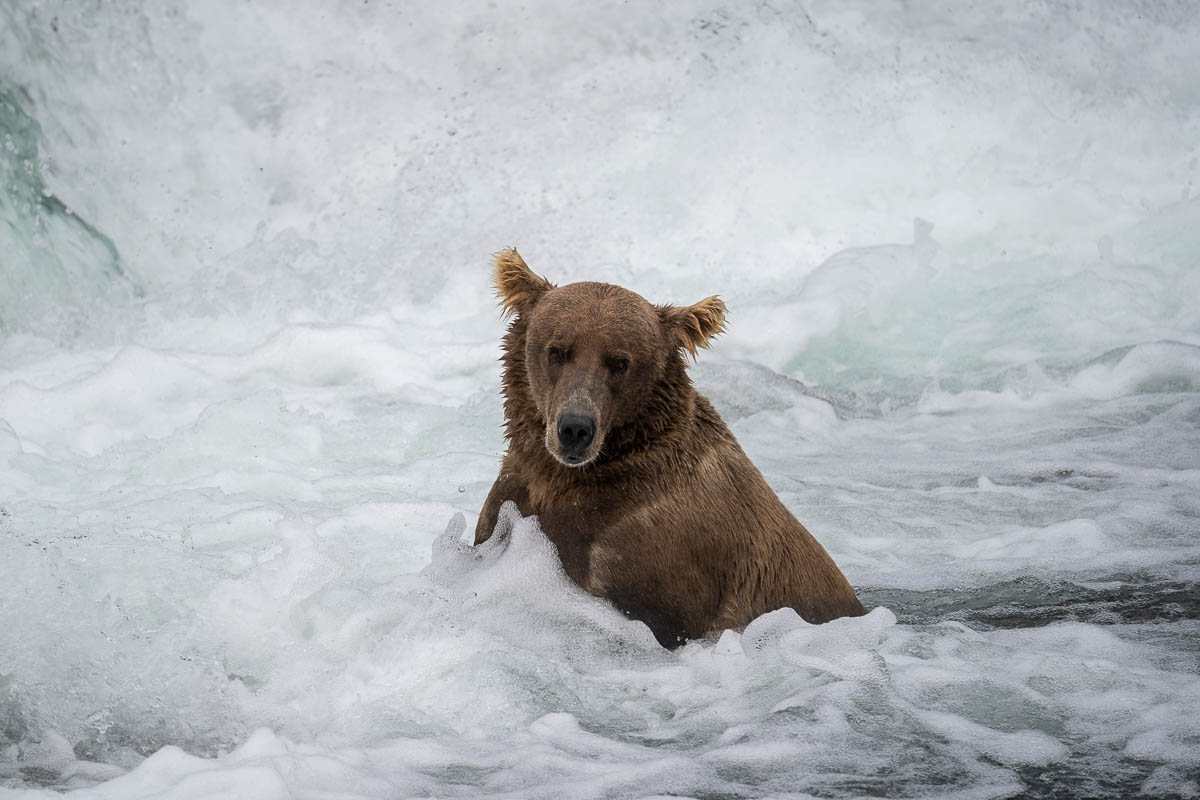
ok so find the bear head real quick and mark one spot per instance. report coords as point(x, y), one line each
point(592, 357)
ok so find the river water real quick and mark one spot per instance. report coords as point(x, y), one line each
point(249, 379)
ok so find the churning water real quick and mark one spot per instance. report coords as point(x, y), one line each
point(248, 379)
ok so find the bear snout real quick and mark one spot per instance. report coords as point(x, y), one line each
point(575, 434)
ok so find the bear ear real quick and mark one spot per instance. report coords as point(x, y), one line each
point(694, 326)
point(518, 287)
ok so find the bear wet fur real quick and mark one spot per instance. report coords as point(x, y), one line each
point(639, 483)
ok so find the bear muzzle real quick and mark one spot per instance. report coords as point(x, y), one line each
point(576, 432)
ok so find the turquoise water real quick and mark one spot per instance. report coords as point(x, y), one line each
point(248, 379)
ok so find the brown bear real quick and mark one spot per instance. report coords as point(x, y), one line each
point(632, 474)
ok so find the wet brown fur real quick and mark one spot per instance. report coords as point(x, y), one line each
point(669, 520)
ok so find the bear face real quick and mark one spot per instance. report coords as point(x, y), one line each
point(594, 353)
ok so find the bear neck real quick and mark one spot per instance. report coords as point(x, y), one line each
point(661, 427)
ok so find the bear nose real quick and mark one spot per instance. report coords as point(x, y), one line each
point(575, 433)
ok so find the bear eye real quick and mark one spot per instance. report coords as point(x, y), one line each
point(556, 356)
point(617, 366)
